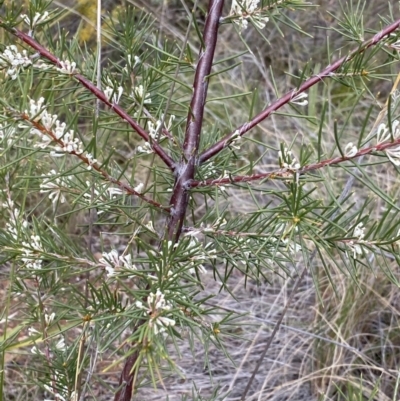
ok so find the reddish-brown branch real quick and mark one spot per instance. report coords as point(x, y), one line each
point(126, 379)
point(95, 166)
point(185, 171)
point(284, 173)
point(96, 92)
point(221, 144)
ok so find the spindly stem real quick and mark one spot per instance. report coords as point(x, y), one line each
point(243, 129)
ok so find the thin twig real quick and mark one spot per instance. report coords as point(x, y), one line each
point(286, 173)
point(327, 72)
point(95, 166)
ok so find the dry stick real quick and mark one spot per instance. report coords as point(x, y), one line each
point(96, 92)
point(186, 168)
point(224, 142)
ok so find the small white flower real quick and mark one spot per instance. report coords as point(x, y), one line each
point(53, 186)
point(300, 99)
point(145, 149)
point(154, 129)
point(166, 321)
point(48, 120)
point(150, 227)
point(32, 331)
point(383, 135)
point(67, 67)
point(70, 144)
point(114, 192)
point(91, 160)
point(138, 93)
point(156, 307)
point(359, 231)
point(37, 19)
point(356, 246)
point(394, 155)
point(36, 109)
point(61, 345)
point(136, 58)
point(288, 160)
point(112, 95)
point(350, 150)
point(49, 318)
point(35, 350)
point(109, 261)
point(248, 9)
point(383, 132)
point(395, 45)
point(59, 129)
point(12, 59)
point(127, 262)
point(139, 188)
point(170, 121)
point(234, 140)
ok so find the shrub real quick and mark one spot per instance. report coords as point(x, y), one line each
point(141, 174)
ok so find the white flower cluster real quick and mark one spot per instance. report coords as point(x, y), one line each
point(113, 263)
point(201, 254)
point(246, 9)
point(300, 99)
point(20, 233)
point(12, 59)
point(356, 246)
point(209, 170)
point(383, 135)
point(156, 307)
point(234, 140)
point(350, 150)
point(146, 148)
point(156, 128)
point(288, 160)
point(139, 188)
point(129, 61)
point(67, 67)
point(53, 186)
point(139, 94)
point(102, 195)
point(31, 250)
point(69, 142)
point(113, 95)
point(37, 19)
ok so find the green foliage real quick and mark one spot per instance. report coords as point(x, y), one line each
point(109, 245)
